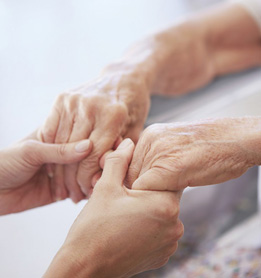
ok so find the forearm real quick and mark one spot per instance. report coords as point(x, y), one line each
point(233, 39)
point(66, 264)
point(188, 55)
point(251, 139)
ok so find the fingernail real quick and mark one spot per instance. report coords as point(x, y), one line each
point(83, 146)
point(49, 171)
point(125, 143)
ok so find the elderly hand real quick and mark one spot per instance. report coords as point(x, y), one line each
point(110, 108)
point(120, 232)
point(24, 183)
point(174, 156)
point(174, 61)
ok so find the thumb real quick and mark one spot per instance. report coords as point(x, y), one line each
point(38, 153)
point(117, 163)
point(157, 179)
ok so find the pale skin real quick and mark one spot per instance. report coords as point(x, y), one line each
point(119, 233)
point(114, 106)
point(171, 62)
point(23, 180)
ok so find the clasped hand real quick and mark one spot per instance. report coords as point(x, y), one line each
point(105, 111)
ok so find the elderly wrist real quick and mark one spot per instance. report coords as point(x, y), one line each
point(182, 55)
point(127, 84)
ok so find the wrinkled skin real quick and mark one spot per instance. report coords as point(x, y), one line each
point(174, 156)
point(172, 62)
point(105, 111)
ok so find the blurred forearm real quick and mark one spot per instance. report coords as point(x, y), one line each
point(234, 39)
point(187, 56)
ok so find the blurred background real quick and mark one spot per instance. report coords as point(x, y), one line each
point(48, 47)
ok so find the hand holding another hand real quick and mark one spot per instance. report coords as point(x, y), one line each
point(173, 156)
point(120, 232)
point(24, 183)
point(110, 108)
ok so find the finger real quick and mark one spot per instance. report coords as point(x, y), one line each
point(49, 129)
point(88, 167)
point(156, 179)
point(37, 153)
point(96, 178)
point(102, 160)
point(115, 146)
point(136, 166)
point(105, 133)
point(70, 182)
point(116, 164)
point(64, 129)
point(62, 136)
point(117, 142)
point(81, 130)
point(48, 133)
point(59, 191)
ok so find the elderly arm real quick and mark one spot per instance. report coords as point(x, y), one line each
point(217, 41)
point(171, 62)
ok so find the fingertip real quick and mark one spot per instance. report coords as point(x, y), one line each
point(117, 163)
point(76, 198)
point(125, 144)
point(137, 185)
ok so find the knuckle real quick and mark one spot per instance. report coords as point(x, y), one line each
point(169, 212)
point(61, 97)
point(179, 230)
point(48, 134)
point(61, 151)
point(172, 249)
point(150, 135)
point(87, 111)
point(153, 129)
point(72, 103)
point(91, 101)
point(118, 111)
